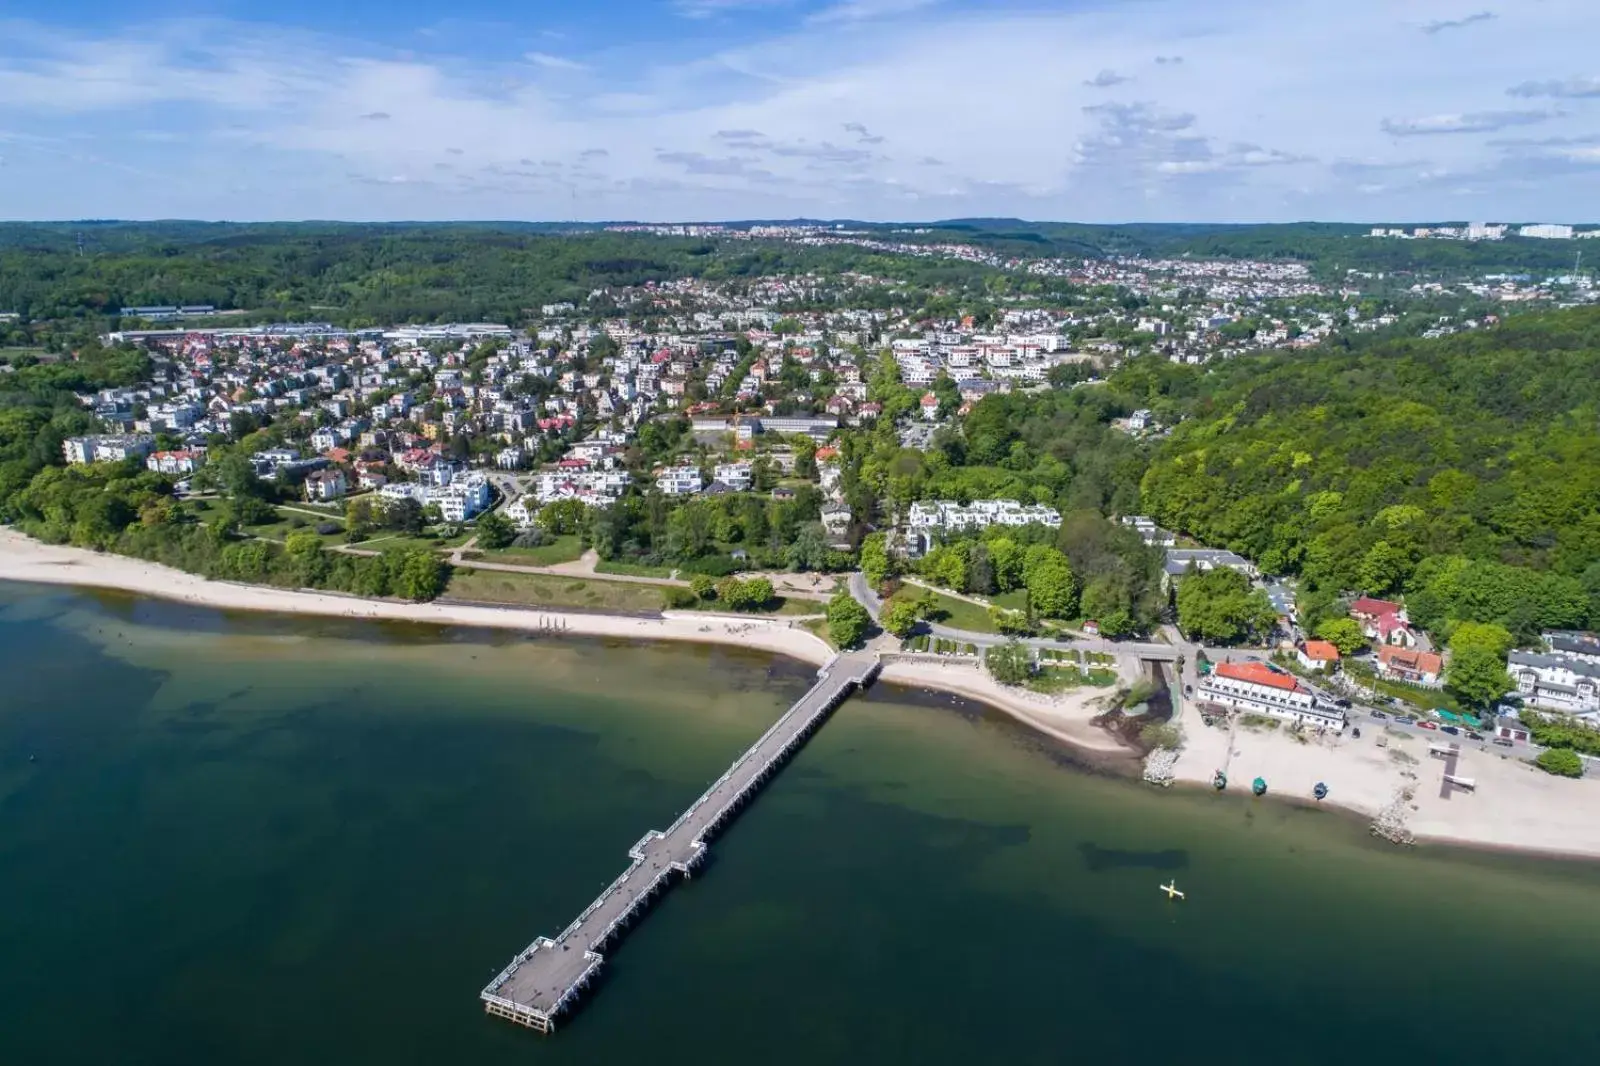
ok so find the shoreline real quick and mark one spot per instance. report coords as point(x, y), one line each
point(1516, 809)
point(27, 561)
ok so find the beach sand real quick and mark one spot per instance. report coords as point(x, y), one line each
point(1514, 805)
point(27, 560)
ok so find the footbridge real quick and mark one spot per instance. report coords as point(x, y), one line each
point(547, 978)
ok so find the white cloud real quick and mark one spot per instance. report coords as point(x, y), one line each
point(554, 62)
point(918, 110)
point(1473, 122)
point(863, 10)
point(1568, 88)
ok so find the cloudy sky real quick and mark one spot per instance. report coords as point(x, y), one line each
point(1107, 110)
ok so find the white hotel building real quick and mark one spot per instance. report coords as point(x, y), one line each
point(1254, 688)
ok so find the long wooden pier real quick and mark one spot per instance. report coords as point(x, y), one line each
point(547, 977)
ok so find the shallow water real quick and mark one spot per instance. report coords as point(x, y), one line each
point(252, 839)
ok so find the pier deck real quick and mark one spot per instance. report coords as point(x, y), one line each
point(548, 976)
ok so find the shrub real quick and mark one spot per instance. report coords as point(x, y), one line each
point(677, 599)
point(1563, 762)
point(703, 587)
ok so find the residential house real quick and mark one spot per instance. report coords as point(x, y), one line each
point(326, 485)
point(1415, 667)
point(176, 463)
point(1557, 682)
point(1318, 655)
point(1383, 621)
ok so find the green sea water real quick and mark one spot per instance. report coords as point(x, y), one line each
point(250, 840)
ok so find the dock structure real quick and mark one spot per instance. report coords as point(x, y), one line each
point(546, 979)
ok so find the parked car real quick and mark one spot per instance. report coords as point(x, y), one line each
point(1452, 730)
point(1471, 735)
point(1428, 725)
point(1380, 716)
point(1504, 742)
point(1401, 719)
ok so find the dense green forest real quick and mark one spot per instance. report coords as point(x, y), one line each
point(1330, 247)
point(370, 274)
point(1464, 472)
point(381, 274)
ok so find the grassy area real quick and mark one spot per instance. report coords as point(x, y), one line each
point(780, 606)
point(1064, 679)
point(561, 550)
point(959, 614)
point(819, 628)
point(611, 566)
point(1015, 600)
point(382, 541)
point(548, 590)
point(288, 522)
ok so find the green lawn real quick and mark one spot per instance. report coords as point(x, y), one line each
point(959, 614)
point(561, 550)
point(612, 566)
point(290, 522)
point(1065, 679)
point(792, 607)
point(382, 541)
point(1015, 600)
point(548, 590)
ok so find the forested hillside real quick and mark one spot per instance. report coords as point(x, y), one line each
point(363, 275)
point(1463, 471)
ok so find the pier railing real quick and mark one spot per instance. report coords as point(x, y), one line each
point(679, 848)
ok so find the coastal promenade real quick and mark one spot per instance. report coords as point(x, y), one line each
point(546, 978)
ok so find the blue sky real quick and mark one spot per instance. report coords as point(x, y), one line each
point(1116, 110)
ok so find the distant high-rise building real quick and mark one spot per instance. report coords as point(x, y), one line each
point(1547, 231)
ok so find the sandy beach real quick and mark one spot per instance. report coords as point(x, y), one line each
point(1514, 806)
point(26, 560)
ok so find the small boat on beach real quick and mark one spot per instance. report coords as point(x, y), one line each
point(1321, 791)
point(1259, 786)
point(1219, 781)
point(1171, 889)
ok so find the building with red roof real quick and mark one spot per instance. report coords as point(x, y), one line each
point(1251, 687)
point(1317, 655)
point(1383, 621)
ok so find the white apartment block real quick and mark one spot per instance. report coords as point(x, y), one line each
point(737, 476)
point(680, 481)
point(81, 450)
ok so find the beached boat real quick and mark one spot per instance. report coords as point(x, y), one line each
point(1219, 781)
point(1259, 786)
point(1321, 791)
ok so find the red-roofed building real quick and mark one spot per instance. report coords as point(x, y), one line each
point(1256, 688)
point(1383, 621)
point(1318, 655)
point(1415, 667)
